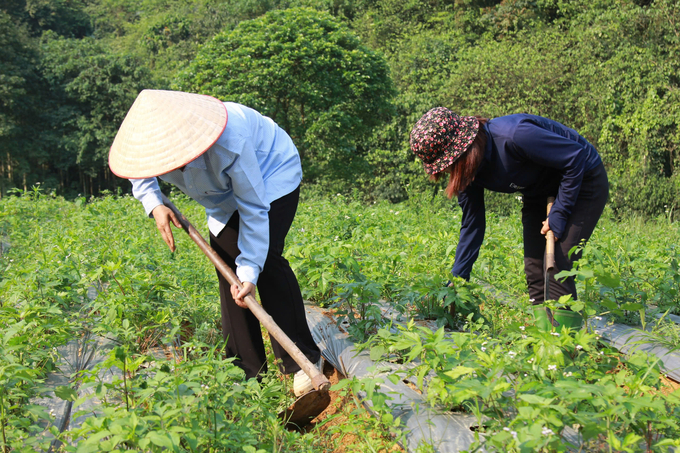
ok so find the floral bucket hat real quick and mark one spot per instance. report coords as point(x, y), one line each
point(440, 137)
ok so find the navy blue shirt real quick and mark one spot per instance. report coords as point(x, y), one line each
point(527, 154)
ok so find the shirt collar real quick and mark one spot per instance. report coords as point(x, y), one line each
point(487, 150)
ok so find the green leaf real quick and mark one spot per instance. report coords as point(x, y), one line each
point(535, 399)
point(66, 393)
point(459, 371)
point(377, 352)
point(159, 439)
point(609, 280)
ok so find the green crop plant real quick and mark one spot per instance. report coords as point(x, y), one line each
point(527, 389)
point(357, 303)
point(98, 266)
point(199, 404)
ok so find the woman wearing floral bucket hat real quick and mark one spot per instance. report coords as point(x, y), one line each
point(246, 172)
point(535, 156)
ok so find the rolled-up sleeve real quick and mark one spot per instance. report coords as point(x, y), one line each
point(253, 208)
point(552, 150)
point(472, 227)
point(148, 192)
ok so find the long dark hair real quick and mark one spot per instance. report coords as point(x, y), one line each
point(462, 172)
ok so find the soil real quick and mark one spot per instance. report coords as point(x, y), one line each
point(668, 385)
point(339, 412)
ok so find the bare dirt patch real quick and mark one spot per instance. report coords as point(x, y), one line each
point(344, 411)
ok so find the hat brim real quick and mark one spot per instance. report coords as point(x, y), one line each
point(164, 131)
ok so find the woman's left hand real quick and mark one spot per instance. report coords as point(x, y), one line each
point(239, 296)
point(546, 228)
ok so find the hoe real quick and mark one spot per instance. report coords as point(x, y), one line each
point(312, 403)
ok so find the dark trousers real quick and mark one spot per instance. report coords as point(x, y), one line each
point(580, 225)
point(279, 293)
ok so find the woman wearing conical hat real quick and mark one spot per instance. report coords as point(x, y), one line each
point(245, 170)
point(530, 154)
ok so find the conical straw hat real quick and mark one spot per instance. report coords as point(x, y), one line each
point(165, 130)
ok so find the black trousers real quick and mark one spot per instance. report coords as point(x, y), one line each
point(279, 294)
point(580, 225)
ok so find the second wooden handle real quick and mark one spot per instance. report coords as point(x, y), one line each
point(549, 242)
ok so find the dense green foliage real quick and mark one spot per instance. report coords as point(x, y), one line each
point(71, 269)
point(347, 79)
point(353, 259)
point(310, 74)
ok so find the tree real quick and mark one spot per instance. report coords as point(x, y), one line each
point(64, 17)
point(309, 73)
point(18, 81)
point(92, 89)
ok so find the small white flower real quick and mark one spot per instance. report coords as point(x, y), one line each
point(336, 238)
point(506, 429)
point(599, 318)
point(552, 367)
point(579, 347)
point(524, 337)
point(512, 354)
point(396, 213)
point(525, 375)
point(514, 434)
point(547, 431)
point(555, 334)
point(483, 349)
point(531, 360)
point(346, 217)
point(601, 352)
point(522, 328)
point(567, 374)
point(532, 300)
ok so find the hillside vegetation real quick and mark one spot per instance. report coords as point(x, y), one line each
point(347, 79)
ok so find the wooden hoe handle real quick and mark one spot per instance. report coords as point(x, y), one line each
point(550, 242)
point(319, 381)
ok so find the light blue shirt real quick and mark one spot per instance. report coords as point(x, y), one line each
point(253, 163)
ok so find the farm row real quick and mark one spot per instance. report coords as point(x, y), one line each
point(526, 387)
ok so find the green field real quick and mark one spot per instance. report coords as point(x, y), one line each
point(525, 386)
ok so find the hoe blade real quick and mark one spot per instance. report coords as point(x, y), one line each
point(305, 408)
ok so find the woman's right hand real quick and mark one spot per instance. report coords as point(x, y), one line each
point(164, 216)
